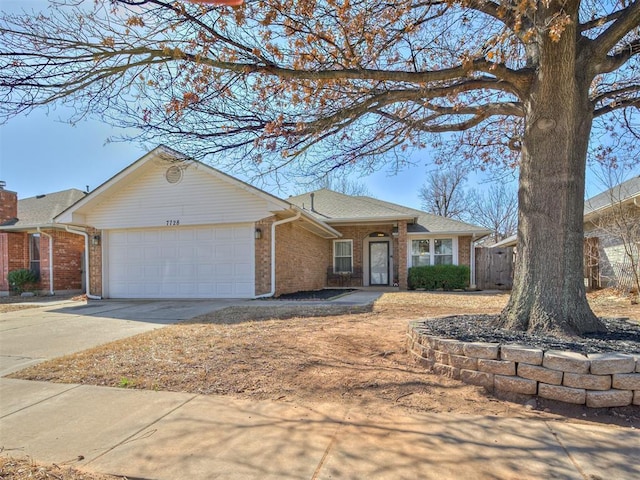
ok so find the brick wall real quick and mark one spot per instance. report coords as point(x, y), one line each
point(8, 211)
point(401, 256)
point(301, 259)
point(68, 250)
point(14, 255)
point(8, 205)
point(358, 233)
point(263, 257)
point(464, 251)
point(95, 263)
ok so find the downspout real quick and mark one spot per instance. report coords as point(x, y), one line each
point(273, 253)
point(86, 261)
point(51, 292)
point(472, 261)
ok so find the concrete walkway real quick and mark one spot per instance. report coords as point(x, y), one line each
point(163, 435)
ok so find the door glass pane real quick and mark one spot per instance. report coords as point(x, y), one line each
point(379, 263)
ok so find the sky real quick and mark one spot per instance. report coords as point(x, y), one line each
point(39, 154)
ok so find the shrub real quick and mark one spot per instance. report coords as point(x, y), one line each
point(433, 277)
point(21, 280)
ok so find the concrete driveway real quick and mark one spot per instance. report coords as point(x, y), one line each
point(34, 335)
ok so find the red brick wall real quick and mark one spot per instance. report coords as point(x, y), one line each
point(8, 205)
point(14, 255)
point(302, 259)
point(4, 263)
point(68, 250)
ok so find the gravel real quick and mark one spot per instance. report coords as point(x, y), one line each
point(621, 335)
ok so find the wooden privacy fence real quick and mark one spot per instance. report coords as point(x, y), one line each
point(494, 268)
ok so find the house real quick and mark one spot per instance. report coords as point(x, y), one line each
point(611, 223)
point(30, 239)
point(612, 236)
point(170, 227)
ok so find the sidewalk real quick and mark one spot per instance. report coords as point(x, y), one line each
point(164, 435)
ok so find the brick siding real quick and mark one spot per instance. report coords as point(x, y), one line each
point(464, 251)
point(263, 257)
point(95, 263)
point(68, 249)
point(301, 259)
point(8, 205)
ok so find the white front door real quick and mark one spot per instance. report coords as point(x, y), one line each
point(177, 262)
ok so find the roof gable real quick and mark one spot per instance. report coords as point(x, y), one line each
point(144, 186)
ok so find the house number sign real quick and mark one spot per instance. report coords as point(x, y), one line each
point(171, 223)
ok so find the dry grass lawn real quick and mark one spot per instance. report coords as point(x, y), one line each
point(275, 353)
point(272, 352)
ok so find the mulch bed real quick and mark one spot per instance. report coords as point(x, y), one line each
point(326, 294)
point(621, 335)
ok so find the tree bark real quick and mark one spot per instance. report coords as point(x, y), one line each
point(549, 296)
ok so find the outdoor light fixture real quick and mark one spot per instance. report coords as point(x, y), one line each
point(258, 234)
point(95, 240)
point(394, 232)
point(230, 3)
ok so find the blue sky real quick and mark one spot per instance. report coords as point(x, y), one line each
point(41, 154)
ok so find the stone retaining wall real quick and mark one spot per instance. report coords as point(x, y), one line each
point(597, 379)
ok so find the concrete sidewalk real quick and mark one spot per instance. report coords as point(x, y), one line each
point(163, 435)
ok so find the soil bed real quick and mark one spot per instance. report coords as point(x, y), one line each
point(621, 335)
point(326, 294)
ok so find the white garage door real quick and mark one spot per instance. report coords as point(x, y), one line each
point(208, 262)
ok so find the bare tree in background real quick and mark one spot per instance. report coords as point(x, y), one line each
point(337, 183)
point(615, 221)
point(443, 193)
point(497, 209)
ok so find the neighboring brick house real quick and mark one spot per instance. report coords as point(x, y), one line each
point(170, 227)
point(29, 239)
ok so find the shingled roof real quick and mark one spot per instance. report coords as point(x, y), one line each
point(39, 211)
point(335, 208)
point(620, 193)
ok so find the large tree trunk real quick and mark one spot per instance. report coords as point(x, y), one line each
point(548, 290)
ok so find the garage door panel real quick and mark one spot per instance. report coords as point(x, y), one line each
point(181, 262)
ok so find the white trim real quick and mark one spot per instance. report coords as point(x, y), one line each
point(333, 257)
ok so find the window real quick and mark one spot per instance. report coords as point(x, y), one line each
point(34, 253)
point(438, 251)
point(342, 256)
point(420, 253)
point(443, 251)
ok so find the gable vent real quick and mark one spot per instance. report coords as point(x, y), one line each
point(173, 174)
